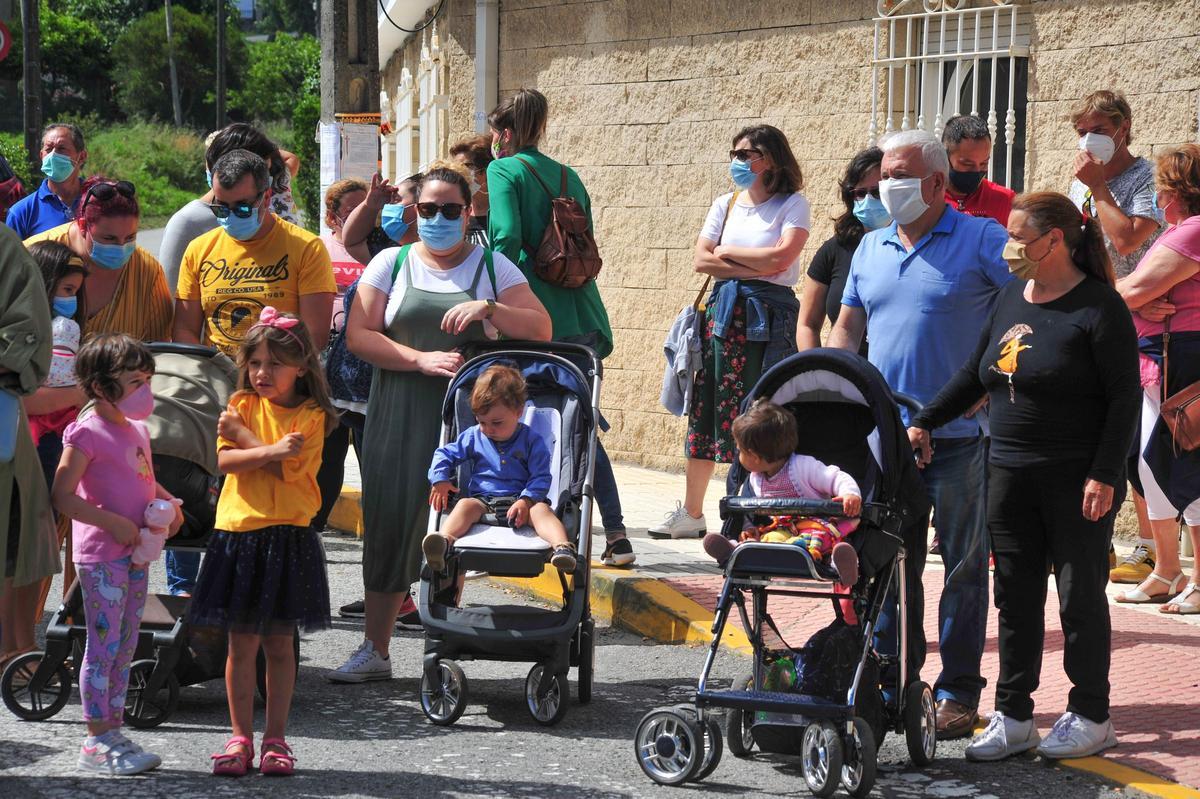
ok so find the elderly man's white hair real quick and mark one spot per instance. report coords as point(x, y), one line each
point(933, 152)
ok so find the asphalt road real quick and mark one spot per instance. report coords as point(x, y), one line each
point(373, 741)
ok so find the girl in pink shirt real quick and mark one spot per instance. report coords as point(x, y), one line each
point(766, 439)
point(103, 484)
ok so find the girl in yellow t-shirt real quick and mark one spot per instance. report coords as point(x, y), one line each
point(264, 569)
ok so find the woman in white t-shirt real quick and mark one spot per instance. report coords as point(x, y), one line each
point(750, 242)
point(416, 306)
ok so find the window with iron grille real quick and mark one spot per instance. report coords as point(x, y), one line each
point(935, 59)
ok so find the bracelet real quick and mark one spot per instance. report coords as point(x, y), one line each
point(491, 309)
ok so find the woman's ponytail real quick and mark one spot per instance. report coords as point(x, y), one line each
point(1091, 255)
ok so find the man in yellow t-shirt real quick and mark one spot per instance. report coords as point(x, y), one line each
point(251, 260)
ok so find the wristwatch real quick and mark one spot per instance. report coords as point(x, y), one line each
point(491, 309)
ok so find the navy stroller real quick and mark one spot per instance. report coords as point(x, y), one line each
point(846, 416)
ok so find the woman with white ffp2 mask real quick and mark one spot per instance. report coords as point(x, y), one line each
point(1111, 184)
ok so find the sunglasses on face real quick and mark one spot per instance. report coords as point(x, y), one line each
point(241, 210)
point(449, 210)
point(106, 191)
point(745, 155)
point(861, 194)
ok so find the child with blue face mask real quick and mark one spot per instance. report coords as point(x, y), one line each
point(63, 273)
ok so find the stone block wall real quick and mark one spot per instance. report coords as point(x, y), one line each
point(645, 96)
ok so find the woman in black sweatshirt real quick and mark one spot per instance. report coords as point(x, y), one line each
point(1058, 362)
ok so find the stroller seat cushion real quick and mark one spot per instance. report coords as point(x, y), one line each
point(484, 536)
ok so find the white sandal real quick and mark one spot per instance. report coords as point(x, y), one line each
point(1185, 608)
point(1137, 596)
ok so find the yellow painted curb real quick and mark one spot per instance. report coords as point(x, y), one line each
point(1137, 779)
point(347, 512)
point(641, 605)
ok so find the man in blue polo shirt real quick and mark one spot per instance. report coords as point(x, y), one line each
point(924, 287)
point(57, 200)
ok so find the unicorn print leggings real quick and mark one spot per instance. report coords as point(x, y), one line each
point(114, 594)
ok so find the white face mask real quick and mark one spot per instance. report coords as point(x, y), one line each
point(1099, 145)
point(902, 198)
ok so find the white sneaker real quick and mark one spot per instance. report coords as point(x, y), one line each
point(1003, 737)
point(115, 756)
point(364, 665)
point(1075, 736)
point(679, 524)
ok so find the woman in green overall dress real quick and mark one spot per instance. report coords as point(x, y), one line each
point(415, 306)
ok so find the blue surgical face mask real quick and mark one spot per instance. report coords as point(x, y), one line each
point(112, 256)
point(742, 173)
point(65, 306)
point(208, 176)
point(870, 211)
point(57, 167)
point(440, 234)
point(241, 229)
point(392, 219)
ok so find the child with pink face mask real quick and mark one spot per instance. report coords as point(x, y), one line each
point(103, 484)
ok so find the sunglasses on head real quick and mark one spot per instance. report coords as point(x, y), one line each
point(106, 191)
point(861, 194)
point(449, 210)
point(241, 210)
point(748, 154)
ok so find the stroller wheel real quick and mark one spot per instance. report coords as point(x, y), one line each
point(443, 702)
point(821, 758)
point(143, 708)
point(920, 724)
point(549, 709)
point(860, 761)
point(28, 703)
point(713, 747)
point(669, 746)
point(737, 724)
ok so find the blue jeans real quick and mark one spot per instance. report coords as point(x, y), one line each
point(956, 482)
point(604, 482)
point(182, 568)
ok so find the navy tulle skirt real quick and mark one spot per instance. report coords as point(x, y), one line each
point(265, 582)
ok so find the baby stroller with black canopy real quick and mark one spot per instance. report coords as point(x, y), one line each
point(846, 416)
point(192, 385)
point(563, 386)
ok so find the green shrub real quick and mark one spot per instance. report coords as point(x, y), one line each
point(12, 147)
point(306, 188)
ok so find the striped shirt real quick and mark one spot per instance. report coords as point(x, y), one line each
point(141, 304)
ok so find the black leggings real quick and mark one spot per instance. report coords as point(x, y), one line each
point(1035, 516)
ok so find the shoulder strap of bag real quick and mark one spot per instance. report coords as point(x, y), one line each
point(1166, 347)
point(401, 257)
point(538, 177)
point(708, 278)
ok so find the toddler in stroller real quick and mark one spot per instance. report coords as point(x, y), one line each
point(510, 472)
point(766, 437)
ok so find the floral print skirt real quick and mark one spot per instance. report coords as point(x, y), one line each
point(729, 368)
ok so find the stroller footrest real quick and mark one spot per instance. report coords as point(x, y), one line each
point(774, 702)
point(504, 562)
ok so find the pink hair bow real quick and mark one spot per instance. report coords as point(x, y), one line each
point(270, 317)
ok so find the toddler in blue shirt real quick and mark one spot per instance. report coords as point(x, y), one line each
point(507, 460)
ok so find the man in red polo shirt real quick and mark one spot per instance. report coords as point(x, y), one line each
point(969, 146)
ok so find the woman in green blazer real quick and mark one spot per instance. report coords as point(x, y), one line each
point(518, 217)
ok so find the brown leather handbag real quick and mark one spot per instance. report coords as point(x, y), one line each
point(1181, 411)
point(567, 255)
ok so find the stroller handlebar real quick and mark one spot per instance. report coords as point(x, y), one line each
point(576, 353)
point(775, 506)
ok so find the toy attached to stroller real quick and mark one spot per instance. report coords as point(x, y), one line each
point(846, 416)
point(191, 385)
point(563, 407)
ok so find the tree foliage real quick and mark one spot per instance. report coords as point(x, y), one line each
point(280, 73)
point(141, 71)
point(75, 63)
point(112, 17)
point(296, 16)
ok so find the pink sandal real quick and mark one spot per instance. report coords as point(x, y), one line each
point(276, 764)
point(236, 763)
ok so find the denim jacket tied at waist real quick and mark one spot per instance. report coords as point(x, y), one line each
point(771, 314)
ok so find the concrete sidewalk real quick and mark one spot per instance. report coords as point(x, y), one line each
point(670, 593)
